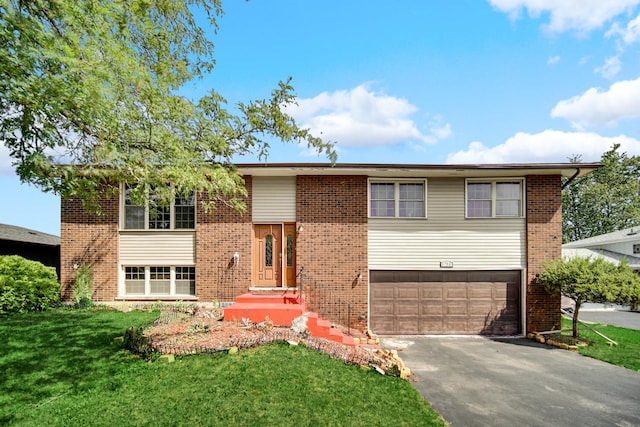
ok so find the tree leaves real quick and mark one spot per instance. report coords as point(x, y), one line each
point(88, 97)
point(604, 201)
point(591, 280)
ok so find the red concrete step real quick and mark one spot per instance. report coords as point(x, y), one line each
point(279, 313)
point(282, 298)
point(321, 328)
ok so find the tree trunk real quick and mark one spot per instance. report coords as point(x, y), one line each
point(576, 310)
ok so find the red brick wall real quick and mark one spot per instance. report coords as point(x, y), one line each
point(219, 234)
point(92, 239)
point(332, 247)
point(544, 242)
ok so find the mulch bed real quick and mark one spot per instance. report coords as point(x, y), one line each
point(201, 332)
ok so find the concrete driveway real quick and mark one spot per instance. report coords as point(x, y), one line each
point(474, 381)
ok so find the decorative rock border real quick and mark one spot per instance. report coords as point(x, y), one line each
point(548, 340)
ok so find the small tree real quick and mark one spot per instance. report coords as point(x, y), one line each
point(629, 287)
point(585, 280)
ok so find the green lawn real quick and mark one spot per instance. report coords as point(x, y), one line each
point(62, 368)
point(626, 353)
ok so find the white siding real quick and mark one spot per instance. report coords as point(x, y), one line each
point(157, 248)
point(621, 248)
point(274, 199)
point(446, 235)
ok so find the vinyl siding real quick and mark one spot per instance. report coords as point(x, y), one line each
point(621, 248)
point(274, 199)
point(157, 248)
point(421, 244)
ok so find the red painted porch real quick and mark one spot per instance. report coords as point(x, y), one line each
point(282, 309)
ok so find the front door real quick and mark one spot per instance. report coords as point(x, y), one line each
point(267, 255)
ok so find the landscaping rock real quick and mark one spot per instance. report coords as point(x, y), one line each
point(233, 350)
point(299, 324)
point(167, 358)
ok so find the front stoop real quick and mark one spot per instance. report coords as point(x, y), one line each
point(281, 309)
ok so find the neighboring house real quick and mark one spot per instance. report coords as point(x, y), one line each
point(416, 249)
point(30, 244)
point(613, 247)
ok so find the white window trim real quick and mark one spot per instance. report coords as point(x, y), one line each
point(396, 182)
point(172, 215)
point(493, 182)
point(147, 282)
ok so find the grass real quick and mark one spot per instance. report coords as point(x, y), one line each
point(62, 368)
point(625, 354)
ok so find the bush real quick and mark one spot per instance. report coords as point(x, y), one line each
point(26, 285)
point(82, 288)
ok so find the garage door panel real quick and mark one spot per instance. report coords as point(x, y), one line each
point(386, 325)
point(409, 325)
point(456, 325)
point(482, 309)
point(454, 305)
point(432, 308)
point(456, 308)
point(383, 291)
point(409, 291)
point(431, 324)
point(484, 291)
point(456, 291)
point(407, 308)
point(432, 291)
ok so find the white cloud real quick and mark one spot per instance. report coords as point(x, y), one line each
point(567, 15)
point(548, 146)
point(610, 68)
point(629, 34)
point(553, 60)
point(361, 117)
point(602, 108)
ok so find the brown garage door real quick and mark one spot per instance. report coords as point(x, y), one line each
point(445, 302)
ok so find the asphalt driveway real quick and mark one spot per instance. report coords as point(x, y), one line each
point(474, 381)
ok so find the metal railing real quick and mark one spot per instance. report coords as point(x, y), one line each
point(321, 298)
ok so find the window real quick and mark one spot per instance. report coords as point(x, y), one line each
point(180, 215)
point(398, 199)
point(134, 280)
point(155, 280)
point(490, 199)
point(186, 280)
point(636, 249)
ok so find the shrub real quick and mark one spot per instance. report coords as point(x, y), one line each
point(26, 285)
point(82, 287)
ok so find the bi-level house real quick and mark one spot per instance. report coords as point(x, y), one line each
point(415, 249)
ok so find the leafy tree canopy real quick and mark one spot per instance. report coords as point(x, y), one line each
point(88, 97)
point(604, 201)
point(591, 280)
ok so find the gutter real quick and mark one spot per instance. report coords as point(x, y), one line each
point(570, 180)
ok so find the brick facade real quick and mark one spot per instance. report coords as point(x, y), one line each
point(220, 233)
point(90, 239)
point(332, 247)
point(544, 243)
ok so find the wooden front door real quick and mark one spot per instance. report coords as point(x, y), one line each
point(267, 255)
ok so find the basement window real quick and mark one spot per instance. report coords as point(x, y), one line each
point(159, 281)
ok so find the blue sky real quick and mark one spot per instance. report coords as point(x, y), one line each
point(495, 81)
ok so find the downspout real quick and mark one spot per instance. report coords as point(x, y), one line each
point(570, 180)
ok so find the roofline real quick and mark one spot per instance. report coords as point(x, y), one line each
point(564, 169)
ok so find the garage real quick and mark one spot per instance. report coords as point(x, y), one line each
point(445, 302)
